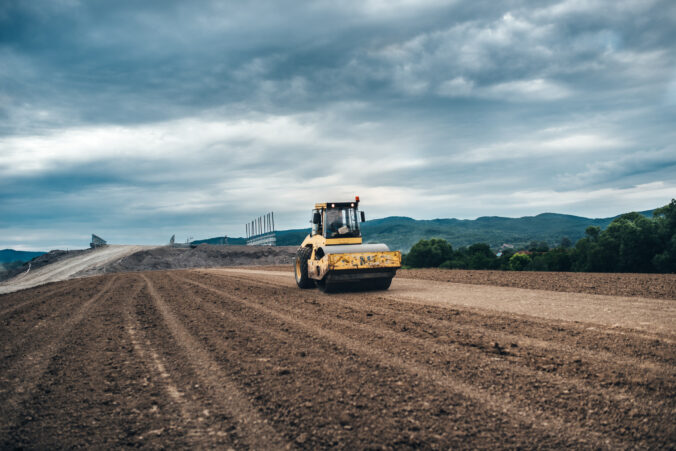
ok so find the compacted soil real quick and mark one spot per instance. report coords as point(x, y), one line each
point(661, 286)
point(243, 359)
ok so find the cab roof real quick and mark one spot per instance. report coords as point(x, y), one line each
point(353, 203)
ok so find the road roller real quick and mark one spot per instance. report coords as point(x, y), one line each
point(333, 258)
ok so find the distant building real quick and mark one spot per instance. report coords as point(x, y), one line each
point(97, 241)
point(503, 248)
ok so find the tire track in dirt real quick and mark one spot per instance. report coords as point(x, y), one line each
point(629, 382)
point(96, 393)
point(325, 395)
point(593, 351)
point(640, 314)
point(21, 326)
point(250, 424)
point(42, 297)
point(351, 371)
point(555, 383)
point(153, 361)
point(571, 385)
point(29, 369)
point(538, 419)
point(651, 391)
point(192, 415)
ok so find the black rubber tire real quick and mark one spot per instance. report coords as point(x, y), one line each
point(324, 287)
point(380, 284)
point(300, 268)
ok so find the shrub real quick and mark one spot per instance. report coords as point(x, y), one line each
point(519, 262)
point(429, 253)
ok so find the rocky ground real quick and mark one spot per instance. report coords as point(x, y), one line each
point(62, 265)
point(244, 359)
point(202, 256)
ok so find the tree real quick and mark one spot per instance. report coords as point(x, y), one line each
point(630, 243)
point(519, 262)
point(665, 218)
point(481, 257)
point(503, 260)
point(429, 253)
point(565, 243)
point(558, 260)
point(538, 246)
point(587, 254)
point(592, 233)
point(666, 261)
point(539, 263)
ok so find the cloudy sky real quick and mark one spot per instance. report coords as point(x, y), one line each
point(137, 120)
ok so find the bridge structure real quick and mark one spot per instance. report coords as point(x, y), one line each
point(261, 231)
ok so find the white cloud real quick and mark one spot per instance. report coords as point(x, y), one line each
point(172, 140)
point(526, 90)
point(559, 11)
point(583, 142)
point(542, 144)
point(457, 87)
point(598, 203)
point(388, 9)
point(634, 197)
point(536, 90)
point(620, 166)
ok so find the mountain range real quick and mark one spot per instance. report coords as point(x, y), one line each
point(401, 233)
point(10, 255)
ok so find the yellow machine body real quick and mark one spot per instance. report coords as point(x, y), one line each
point(318, 269)
point(340, 258)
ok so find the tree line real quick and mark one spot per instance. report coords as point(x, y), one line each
point(630, 243)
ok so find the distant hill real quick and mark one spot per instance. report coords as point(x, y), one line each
point(219, 240)
point(10, 255)
point(400, 232)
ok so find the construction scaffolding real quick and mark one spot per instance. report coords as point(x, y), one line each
point(261, 231)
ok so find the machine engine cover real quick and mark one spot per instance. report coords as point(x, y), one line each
point(354, 248)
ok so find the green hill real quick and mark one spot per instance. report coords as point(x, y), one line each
point(401, 232)
point(219, 240)
point(10, 255)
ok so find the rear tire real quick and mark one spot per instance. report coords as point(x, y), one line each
point(300, 268)
point(380, 284)
point(323, 286)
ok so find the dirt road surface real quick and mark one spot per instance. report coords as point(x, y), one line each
point(242, 359)
point(70, 267)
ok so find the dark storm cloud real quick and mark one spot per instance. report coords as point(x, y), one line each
point(168, 114)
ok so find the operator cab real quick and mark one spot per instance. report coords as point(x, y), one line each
point(337, 219)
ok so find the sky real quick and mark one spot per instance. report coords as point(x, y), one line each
point(139, 120)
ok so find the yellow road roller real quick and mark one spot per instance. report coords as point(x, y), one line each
point(333, 258)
